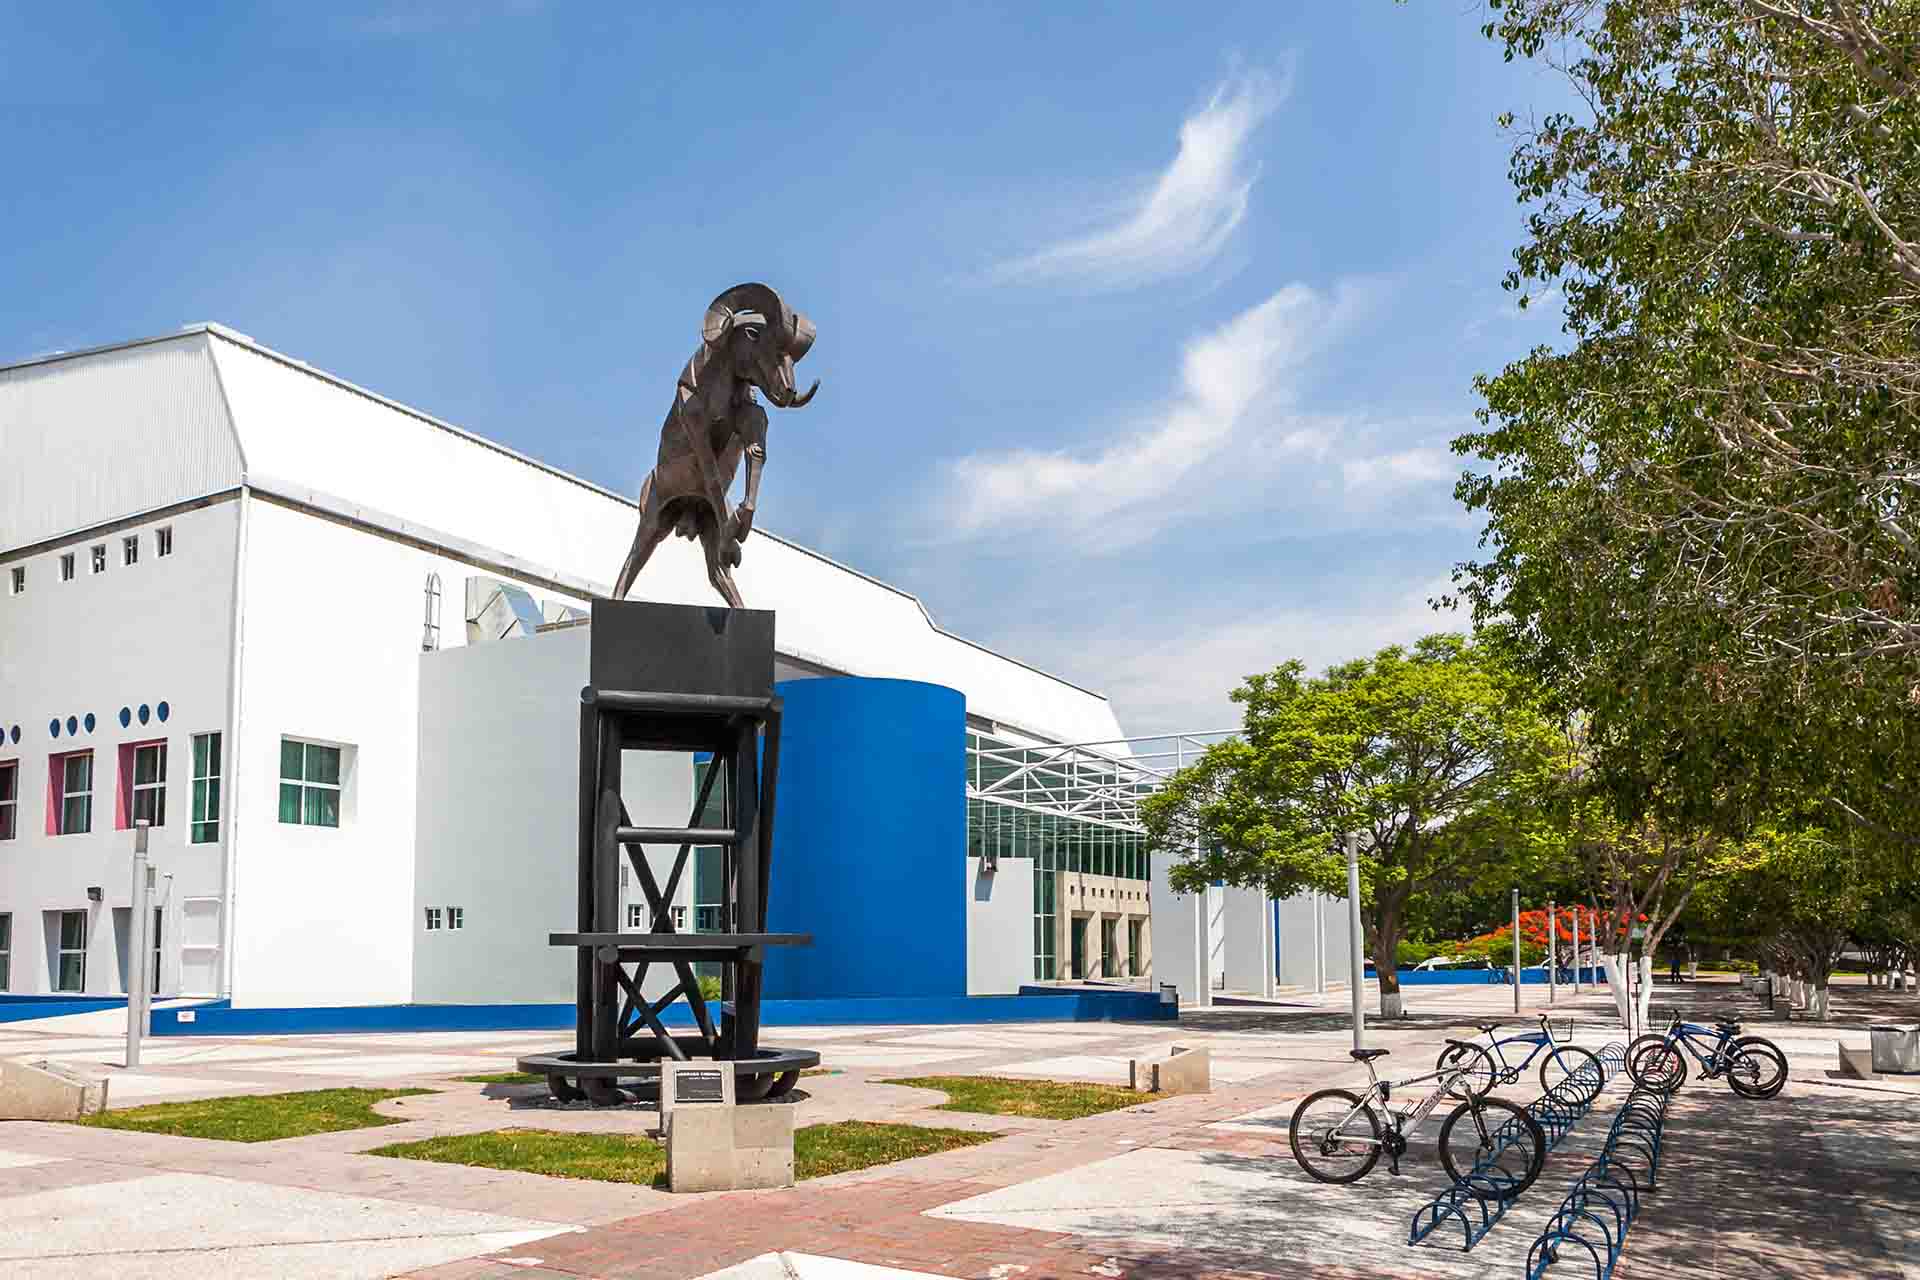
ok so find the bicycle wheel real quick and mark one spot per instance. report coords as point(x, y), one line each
point(1496, 1138)
point(1755, 1067)
point(1569, 1062)
point(1657, 1065)
point(1335, 1136)
point(1476, 1064)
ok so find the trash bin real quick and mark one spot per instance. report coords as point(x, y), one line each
point(1169, 994)
point(1896, 1050)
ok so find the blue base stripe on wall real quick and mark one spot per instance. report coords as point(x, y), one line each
point(219, 1018)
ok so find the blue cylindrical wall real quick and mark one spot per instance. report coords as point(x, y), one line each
point(870, 840)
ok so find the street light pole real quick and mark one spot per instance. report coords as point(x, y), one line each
point(139, 983)
point(1576, 949)
point(1553, 953)
point(1516, 951)
point(1354, 934)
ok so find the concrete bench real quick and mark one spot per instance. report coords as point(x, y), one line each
point(47, 1091)
point(1182, 1069)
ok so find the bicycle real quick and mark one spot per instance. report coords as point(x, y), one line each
point(1337, 1137)
point(1564, 1061)
point(1753, 1065)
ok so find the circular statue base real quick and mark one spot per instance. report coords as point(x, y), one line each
point(770, 1073)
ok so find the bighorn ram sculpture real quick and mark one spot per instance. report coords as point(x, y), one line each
point(750, 338)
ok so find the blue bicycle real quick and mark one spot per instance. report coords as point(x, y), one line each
point(1563, 1062)
point(1753, 1065)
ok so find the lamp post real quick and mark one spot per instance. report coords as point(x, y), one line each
point(1553, 953)
point(1354, 935)
point(139, 983)
point(1576, 949)
point(1516, 951)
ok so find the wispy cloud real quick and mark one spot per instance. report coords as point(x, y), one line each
point(1243, 372)
point(1186, 216)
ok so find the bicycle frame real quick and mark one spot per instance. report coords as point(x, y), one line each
point(1405, 1121)
point(1539, 1040)
point(1685, 1034)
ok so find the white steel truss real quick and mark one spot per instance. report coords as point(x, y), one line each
point(1100, 782)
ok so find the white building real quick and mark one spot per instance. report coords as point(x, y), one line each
point(219, 569)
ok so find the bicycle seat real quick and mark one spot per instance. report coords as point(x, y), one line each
point(1367, 1055)
point(1487, 1028)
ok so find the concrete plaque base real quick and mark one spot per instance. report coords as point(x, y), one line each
point(730, 1148)
point(46, 1091)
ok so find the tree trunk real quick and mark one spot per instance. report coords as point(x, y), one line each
point(1646, 989)
point(1386, 961)
point(1615, 963)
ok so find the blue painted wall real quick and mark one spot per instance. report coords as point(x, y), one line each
point(870, 841)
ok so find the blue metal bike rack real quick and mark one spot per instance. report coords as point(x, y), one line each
point(1479, 1199)
point(1605, 1199)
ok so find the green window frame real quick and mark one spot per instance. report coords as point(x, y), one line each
point(205, 827)
point(9, 801)
point(75, 815)
point(6, 950)
point(310, 787)
point(149, 785)
point(70, 969)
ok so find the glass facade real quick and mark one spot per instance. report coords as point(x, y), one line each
point(1066, 810)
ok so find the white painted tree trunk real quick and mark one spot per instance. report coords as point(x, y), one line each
point(1817, 1002)
point(1615, 963)
point(1646, 989)
point(1391, 1005)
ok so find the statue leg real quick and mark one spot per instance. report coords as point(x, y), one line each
point(717, 571)
point(646, 539)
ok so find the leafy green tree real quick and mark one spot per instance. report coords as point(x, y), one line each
point(1434, 756)
point(1809, 889)
point(1701, 512)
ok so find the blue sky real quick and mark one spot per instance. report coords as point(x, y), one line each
point(1143, 328)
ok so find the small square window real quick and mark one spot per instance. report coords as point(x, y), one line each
point(636, 918)
point(456, 917)
point(163, 541)
point(130, 550)
point(19, 579)
point(66, 567)
point(99, 557)
point(433, 918)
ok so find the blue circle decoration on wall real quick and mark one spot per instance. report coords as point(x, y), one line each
point(73, 726)
point(163, 711)
point(89, 722)
point(126, 716)
point(144, 712)
point(53, 728)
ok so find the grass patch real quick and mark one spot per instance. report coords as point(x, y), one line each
point(259, 1118)
point(818, 1150)
point(1034, 1099)
point(505, 1077)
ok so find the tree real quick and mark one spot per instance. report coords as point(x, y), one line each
point(1432, 756)
point(1810, 889)
point(1702, 515)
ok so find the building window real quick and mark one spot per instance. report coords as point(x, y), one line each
point(163, 541)
point(636, 918)
point(70, 969)
point(679, 919)
point(9, 799)
point(73, 787)
point(66, 567)
point(130, 550)
point(433, 918)
point(148, 793)
point(430, 635)
point(309, 784)
point(19, 579)
point(99, 557)
point(206, 788)
point(456, 917)
point(6, 951)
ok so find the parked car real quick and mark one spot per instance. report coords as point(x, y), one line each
point(1451, 962)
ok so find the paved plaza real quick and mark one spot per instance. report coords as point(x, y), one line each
point(1819, 1181)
